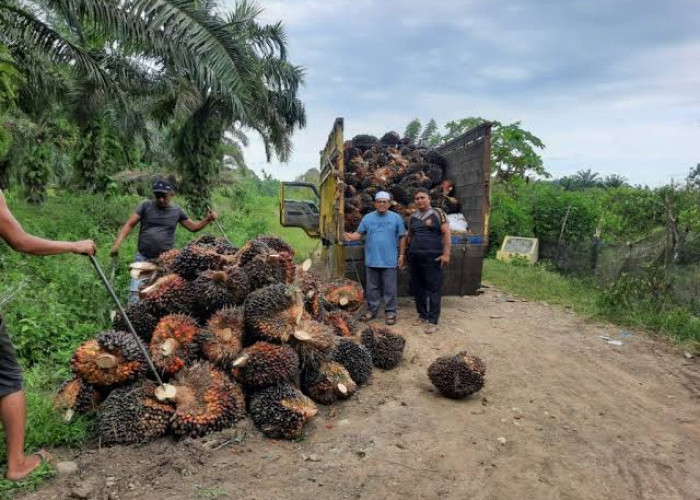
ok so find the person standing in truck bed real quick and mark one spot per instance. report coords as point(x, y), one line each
point(384, 233)
point(429, 245)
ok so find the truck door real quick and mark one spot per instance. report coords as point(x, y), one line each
point(299, 202)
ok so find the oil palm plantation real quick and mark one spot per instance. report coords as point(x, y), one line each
point(178, 62)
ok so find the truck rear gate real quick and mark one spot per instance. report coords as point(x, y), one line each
point(468, 165)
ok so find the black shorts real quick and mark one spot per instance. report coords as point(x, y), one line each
point(10, 371)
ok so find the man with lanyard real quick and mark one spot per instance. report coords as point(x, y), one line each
point(159, 219)
point(384, 232)
point(13, 412)
point(429, 243)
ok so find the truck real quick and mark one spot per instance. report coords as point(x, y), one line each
point(319, 210)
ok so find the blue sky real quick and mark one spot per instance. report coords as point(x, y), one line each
point(609, 85)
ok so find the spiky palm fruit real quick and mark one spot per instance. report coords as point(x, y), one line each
point(356, 359)
point(141, 319)
point(390, 139)
point(211, 293)
point(263, 270)
point(277, 244)
point(133, 415)
point(174, 343)
point(112, 358)
point(289, 269)
point(197, 258)
point(364, 141)
point(263, 364)
point(272, 313)
point(250, 250)
point(204, 240)
point(327, 382)
point(167, 259)
point(206, 401)
point(76, 396)
point(281, 411)
point(352, 220)
point(238, 283)
point(343, 294)
point(223, 247)
point(313, 341)
point(170, 294)
point(448, 204)
point(342, 323)
point(457, 376)
point(434, 173)
point(399, 194)
point(222, 341)
point(385, 346)
point(436, 158)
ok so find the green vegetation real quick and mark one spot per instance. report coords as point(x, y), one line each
point(625, 303)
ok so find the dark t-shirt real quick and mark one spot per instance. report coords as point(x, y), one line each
point(425, 231)
point(157, 231)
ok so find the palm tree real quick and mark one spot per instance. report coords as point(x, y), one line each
point(614, 181)
point(234, 68)
point(587, 178)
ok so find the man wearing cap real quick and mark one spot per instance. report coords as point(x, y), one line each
point(159, 219)
point(384, 232)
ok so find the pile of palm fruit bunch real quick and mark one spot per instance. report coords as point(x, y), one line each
point(393, 164)
point(231, 332)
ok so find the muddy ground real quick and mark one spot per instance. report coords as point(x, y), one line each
point(564, 415)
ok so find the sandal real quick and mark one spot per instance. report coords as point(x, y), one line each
point(368, 316)
point(44, 456)
point(391, 320)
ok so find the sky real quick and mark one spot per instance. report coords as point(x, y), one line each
point(608, 85)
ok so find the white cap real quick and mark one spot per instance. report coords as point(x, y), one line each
point(382, 195)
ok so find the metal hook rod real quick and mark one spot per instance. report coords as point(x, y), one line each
point(126, 318)
point(218, 224)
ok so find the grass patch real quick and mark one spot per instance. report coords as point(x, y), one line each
point(625, 303)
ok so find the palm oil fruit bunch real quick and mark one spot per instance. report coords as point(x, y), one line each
point(272, 312)
point(327, 382)
point(211, 293)
point(141, 319)
point(222, 340)
point(170, 294)
point(356, 359)
point(342, 322)
point(457, 376)
point(206, 400)
point(263, 364)
point(113, 358)
point(281, 411)
point(133, 415)
point(196, 258)
point(174, 343)
point(385, 346)
point(76, 397)
point(344, 295)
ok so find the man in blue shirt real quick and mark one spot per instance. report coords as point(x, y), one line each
point(384, 232)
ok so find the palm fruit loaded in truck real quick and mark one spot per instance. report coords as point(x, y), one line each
point(352, 172)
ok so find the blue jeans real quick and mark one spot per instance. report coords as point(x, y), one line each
point(135, 283)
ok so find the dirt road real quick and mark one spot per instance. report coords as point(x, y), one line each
point(564, 415)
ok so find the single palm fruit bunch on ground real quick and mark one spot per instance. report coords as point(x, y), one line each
point(276, 244)
point(343, 294)
point(264, 364)
point(206, 401)
point(327, 382)
point(385, 346)
point(76, 397)
point(263, 270)
point(112, 358)
point(222, 340)
point(141, 319)
point(313, 342)
point(272, 313)
point(133, 415)
point(342, 323)
point(173, 343)
point(281, 411)
point(457, 376)
point(167, 259)
point(211, 293)
point(171, 294)
point(250, 250)
point(196, 258)
point(238, 283)
point(356, 359)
